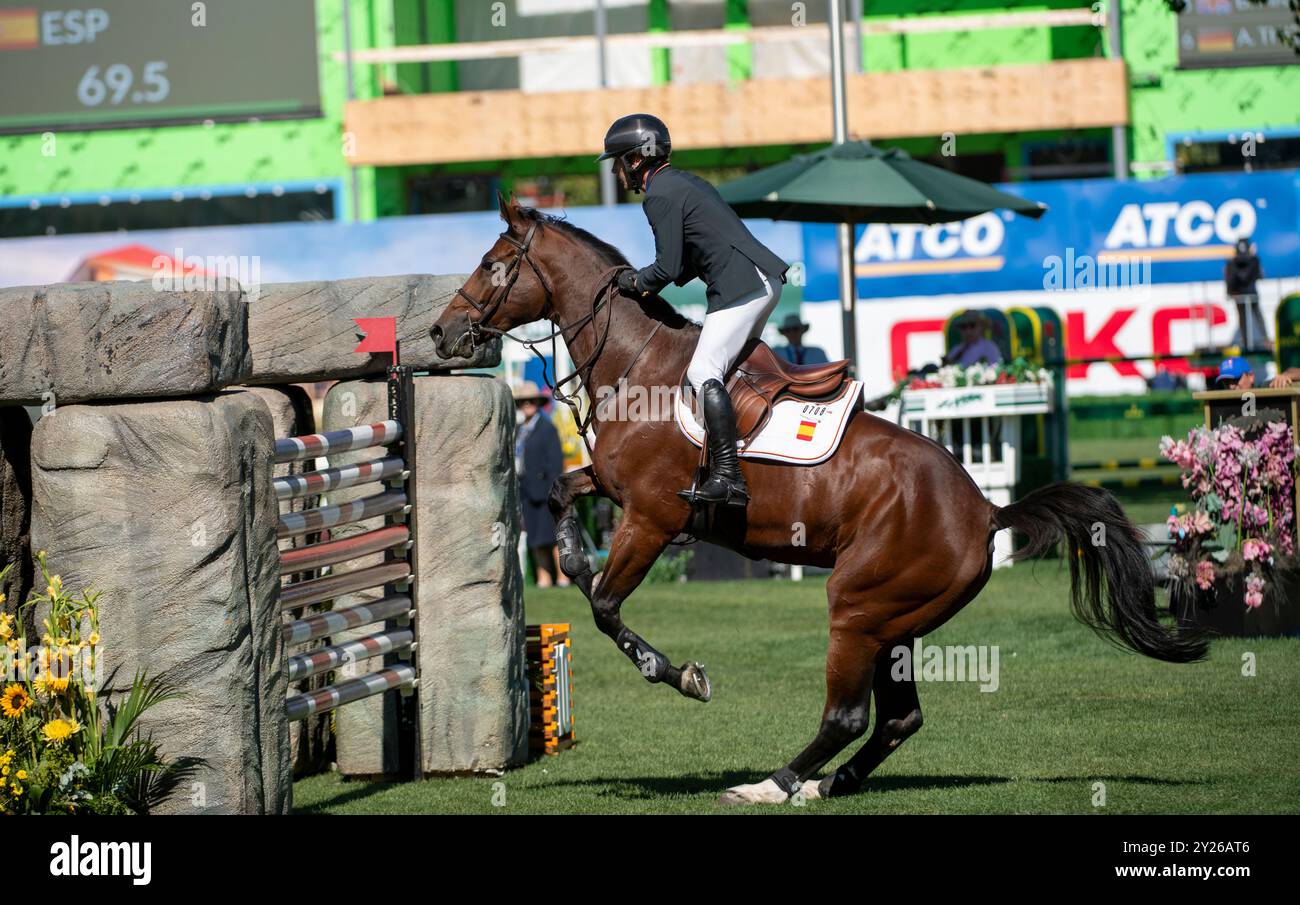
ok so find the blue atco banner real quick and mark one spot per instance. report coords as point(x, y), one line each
point(1177, 230)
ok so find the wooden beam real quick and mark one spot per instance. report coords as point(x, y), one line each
point(720, 37)
point(509, 125)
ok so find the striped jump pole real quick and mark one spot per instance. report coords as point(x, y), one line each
point(310, 521)
point(292, 486)
point(331, 622)
point(309, 664)
point(311, 446)
point(301, 706)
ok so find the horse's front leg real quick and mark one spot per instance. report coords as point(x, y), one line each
point(637, 544)
point(573, 558)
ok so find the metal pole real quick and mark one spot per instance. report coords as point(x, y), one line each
point(840, 112)
point(1118, 134)
point(855, 11)
point(608, 188)
point(352, 95)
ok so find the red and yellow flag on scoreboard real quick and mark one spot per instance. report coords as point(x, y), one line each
point(1215, 40)
point(19, 29)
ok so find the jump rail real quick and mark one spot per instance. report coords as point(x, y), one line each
point(328, 553)
point(288, 488)
point(397, 640)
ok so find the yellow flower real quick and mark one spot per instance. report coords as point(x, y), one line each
point(17, 790)
point(14, 700)
point(94, 639)
point(57, 730)
point(4, 771)
point(21, 774)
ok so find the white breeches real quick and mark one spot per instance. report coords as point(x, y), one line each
point(726, 331)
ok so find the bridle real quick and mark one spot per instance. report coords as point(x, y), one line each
point(495, 300)
point(606, 291)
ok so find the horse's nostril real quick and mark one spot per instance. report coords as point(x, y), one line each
point(436, 333)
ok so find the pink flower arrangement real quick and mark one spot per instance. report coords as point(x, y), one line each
point(1205, 575)
point(1254, 590)
point(1242, 485)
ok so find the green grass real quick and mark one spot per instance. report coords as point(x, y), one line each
point(1070, 711)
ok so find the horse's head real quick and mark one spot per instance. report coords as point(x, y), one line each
point(506, 289)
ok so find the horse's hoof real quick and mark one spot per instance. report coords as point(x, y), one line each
point(765, 792)
point(694, 683)
point(811, 790)
point(836, 786)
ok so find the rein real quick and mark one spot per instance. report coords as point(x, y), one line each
point(605, 293)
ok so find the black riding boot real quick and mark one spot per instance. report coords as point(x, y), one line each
point(725, 483)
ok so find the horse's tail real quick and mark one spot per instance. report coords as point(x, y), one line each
point(1104, 545)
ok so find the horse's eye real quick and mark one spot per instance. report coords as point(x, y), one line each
point(487, 265)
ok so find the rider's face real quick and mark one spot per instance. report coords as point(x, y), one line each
point(621, 170)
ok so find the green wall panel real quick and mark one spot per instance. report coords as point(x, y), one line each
point(1167, 100)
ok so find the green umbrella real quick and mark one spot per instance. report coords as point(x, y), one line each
point(855, 182)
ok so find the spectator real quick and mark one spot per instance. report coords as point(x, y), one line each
point(1166, 379)
point(1236, 374)
point(794, 351)
point(538, 462)
point(1241, 276)
point(974, 346)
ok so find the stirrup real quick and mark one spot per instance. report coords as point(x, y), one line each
point(732, 494)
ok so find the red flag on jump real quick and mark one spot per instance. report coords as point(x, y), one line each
point(380, 335)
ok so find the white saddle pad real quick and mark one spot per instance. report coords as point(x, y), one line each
point(797, 433)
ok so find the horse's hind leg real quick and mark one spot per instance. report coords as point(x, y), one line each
point(850, 668)
point(636, 546)
point(898, 716)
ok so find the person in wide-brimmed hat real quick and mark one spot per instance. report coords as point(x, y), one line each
point(538, 462)
point(794, 351)
point(974, 346)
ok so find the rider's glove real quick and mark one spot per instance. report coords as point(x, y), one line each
point(627, 282)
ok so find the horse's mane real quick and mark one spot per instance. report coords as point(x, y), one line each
point(654, 306)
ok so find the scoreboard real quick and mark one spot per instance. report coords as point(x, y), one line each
point(85, 64)
point(1234, 33)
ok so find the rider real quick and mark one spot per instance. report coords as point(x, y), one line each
point(698, 234)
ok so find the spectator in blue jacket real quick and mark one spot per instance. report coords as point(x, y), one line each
point(538, 462)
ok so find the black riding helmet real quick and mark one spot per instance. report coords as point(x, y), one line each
point(639, 132)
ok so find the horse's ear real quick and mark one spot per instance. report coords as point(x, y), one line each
point(509, 209)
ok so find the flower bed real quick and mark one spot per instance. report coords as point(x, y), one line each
point(950, 376)
point(1239, 534)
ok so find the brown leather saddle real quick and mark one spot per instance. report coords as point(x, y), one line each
point(762, 378)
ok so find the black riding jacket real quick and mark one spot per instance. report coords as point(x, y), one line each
point(698, 234)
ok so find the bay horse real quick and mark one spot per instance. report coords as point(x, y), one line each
point(906, 532)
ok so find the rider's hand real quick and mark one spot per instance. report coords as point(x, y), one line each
point(627, 282)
